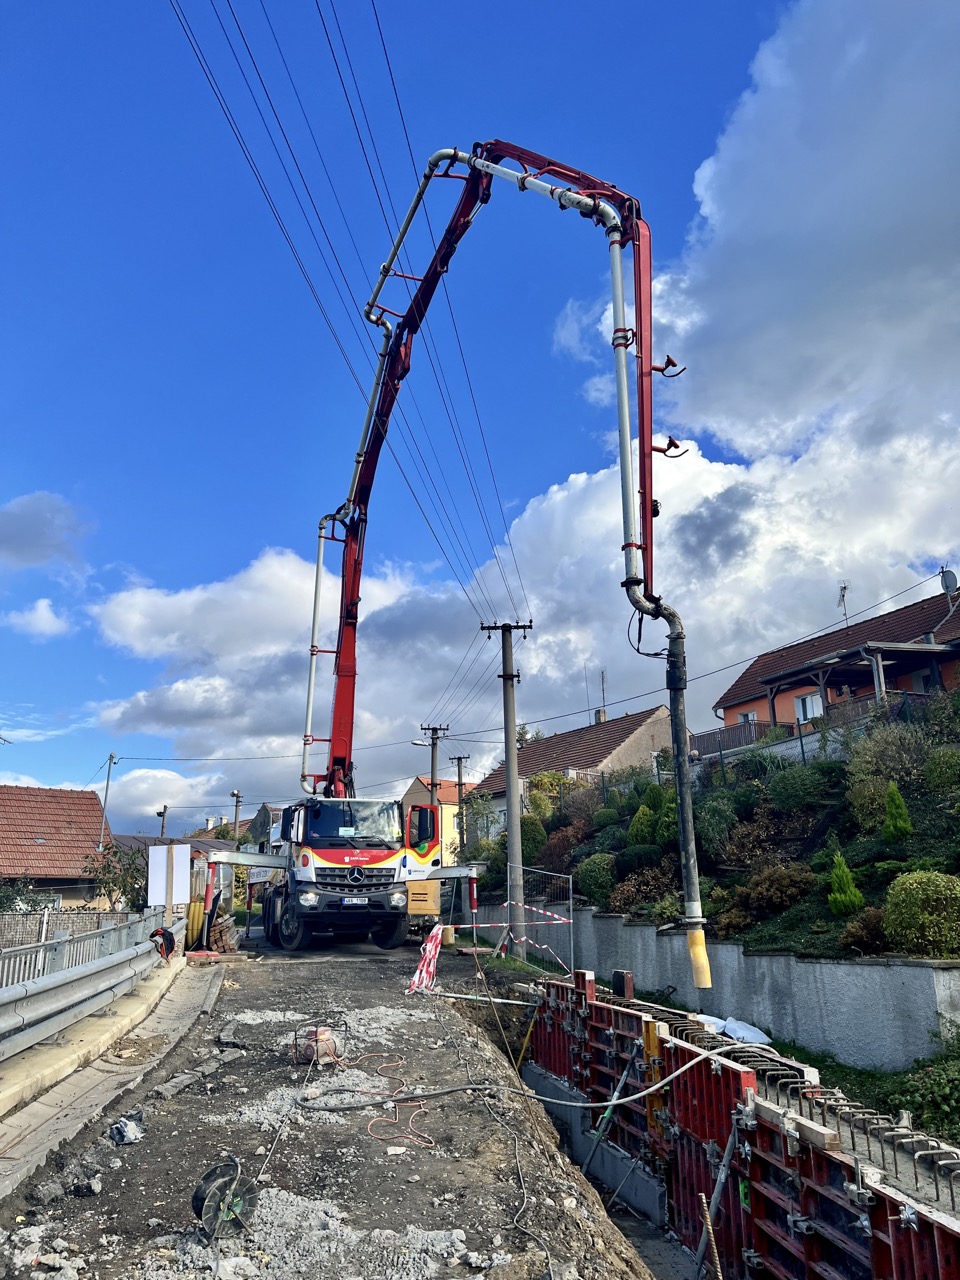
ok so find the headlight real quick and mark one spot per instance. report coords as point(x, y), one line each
point(309, 897)
point(398, 898)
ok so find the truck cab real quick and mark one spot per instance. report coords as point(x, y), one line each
point(348, 864)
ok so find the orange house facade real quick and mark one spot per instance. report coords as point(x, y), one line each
point(910, 652)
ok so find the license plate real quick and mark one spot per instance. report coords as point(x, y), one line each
point(354, 902)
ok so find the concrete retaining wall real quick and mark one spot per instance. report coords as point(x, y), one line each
point(875, 1013)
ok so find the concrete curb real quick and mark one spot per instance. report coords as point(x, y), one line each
point(38, 1129)
point(38, 1069)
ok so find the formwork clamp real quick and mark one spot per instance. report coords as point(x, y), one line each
point(752, 1260)
point(856, 1191)
point(744, 1113)
point(800, 1225)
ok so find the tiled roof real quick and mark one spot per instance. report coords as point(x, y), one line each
point(46, 831)
point(585, 748)
point(447, 789)
point(911, 622)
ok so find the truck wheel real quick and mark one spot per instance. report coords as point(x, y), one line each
point(392, 935)
point(294, 934)
point(268, 921)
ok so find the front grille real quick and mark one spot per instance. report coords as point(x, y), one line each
point(338, 878)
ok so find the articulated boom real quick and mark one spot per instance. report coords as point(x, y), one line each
point(599, 202)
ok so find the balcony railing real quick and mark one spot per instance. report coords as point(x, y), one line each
point(733, 736)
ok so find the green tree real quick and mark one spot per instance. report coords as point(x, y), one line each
point(845, 899)
point(121, 875)
point(897, 825)
point(480, 814)
point(19, 895)
point(653, 797)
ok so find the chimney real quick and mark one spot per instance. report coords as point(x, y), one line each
point(928, 638)
point(211, 823)
point(600, 716)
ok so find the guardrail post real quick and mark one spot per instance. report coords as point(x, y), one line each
point(57, 955)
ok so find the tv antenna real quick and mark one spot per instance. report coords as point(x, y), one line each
point(842, 601)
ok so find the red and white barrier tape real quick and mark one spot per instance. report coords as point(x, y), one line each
point(525, 906)
point(426, 974)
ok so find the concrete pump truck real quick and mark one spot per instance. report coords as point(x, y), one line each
point(348, 865)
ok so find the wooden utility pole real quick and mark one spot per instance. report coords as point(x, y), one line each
point(434, 731)
point(515, 910)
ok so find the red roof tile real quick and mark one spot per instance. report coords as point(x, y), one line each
point(585, 748)
point(48, 831)
point(911, 622)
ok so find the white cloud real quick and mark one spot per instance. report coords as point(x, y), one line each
point(40, 621)
point(38, 528)
point(573, 331)
point(600, 390)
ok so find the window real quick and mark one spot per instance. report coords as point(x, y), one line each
point(806, 706)
point(746, 717)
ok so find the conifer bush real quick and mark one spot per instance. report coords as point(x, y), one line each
point(897, 825)
point(667, 834)
point(845, 898)
point(643, 826)
point(653, 797)
point(606, 818)
point(922, 915)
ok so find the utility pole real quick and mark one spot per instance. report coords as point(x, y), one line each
point(514, 856)
point(237, 798)
point(458, 761)
point(434, 731)
point(111, 761)
point(162, 815)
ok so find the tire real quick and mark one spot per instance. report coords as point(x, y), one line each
point(354, 937)
point(391, 936)
point(268, 921)
point(294, 934)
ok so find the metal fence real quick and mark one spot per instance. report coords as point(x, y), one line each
point(24, 928)
point(25, 964)
point(548, 920)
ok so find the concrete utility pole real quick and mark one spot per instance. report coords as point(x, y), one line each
point(162, 815)
point(514, 855)
point(237, 799)
point(458, 761)
point(434, 731)
point(111, 761)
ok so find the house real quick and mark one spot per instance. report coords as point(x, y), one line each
point(908, 652)
point(448, 802)
point(47, 835)
point(586, 754)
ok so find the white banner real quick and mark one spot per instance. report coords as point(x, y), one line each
point(157, 874)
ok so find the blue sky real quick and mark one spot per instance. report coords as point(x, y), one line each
point(177, 415)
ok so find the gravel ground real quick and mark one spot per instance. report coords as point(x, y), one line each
point(462, 1185)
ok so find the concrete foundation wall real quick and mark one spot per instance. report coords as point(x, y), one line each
point(867, 1013)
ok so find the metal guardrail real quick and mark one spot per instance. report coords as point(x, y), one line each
point(24, 964)
point(36, 1009)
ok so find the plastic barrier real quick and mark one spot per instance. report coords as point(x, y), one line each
point(814, 1186)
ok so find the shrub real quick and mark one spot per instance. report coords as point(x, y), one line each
point(667, 910)
point(823, 860)
point(653, 797)
point(713, 821)
point(532, 839)
point(752, 845)
point(581, 804)
point(894, 752)
point(643, 825)
point(727, 923)
point(614, 799)
point(865, 933)
point(867, 801)
point(540, 804)
point(922, 914)
point(932, 1096)
point(797, 787)
point(606, 818)
point(745, 800)
point(775, 889)
point(845, 898)
point(897, 825)
point(942, 770)
point(643, 887)
point(667, 834)
point(595, 878)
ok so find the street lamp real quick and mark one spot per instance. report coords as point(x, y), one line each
point(237, 798)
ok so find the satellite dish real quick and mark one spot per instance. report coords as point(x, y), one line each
point(948, 580)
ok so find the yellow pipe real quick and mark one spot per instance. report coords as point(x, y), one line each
point(699, 960)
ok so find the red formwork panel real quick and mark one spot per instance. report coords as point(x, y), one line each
point(794, 1206)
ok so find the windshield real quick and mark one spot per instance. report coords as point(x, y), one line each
point(327, 820)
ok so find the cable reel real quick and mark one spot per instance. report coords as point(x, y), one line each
point(224, 1199)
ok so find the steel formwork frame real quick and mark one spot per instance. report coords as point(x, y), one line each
point(793, 1204)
